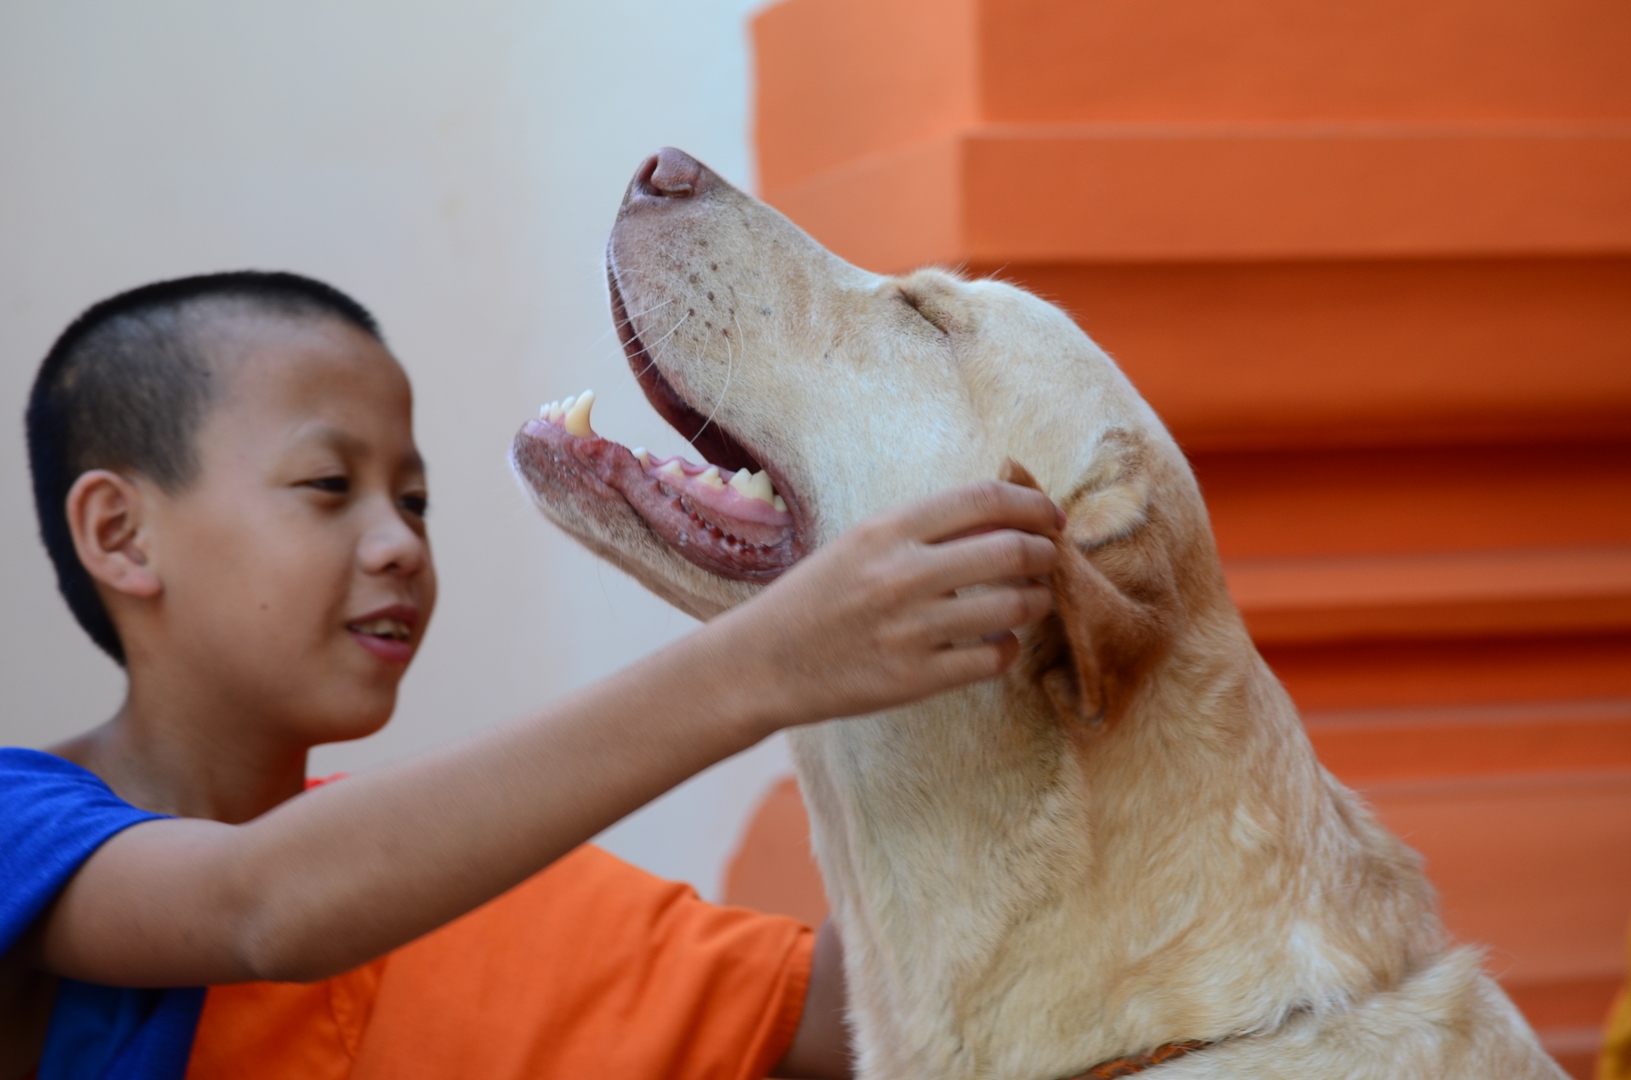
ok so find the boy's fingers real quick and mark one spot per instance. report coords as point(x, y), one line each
point(988, 504)
point(988, 612)
point(952, 668)
point(988, 557)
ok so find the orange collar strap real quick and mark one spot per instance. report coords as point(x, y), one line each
point(1137, 1063)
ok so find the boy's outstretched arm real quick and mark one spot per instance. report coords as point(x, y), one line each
point(349, 871)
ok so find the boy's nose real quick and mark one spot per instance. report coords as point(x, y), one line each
point(392, 547)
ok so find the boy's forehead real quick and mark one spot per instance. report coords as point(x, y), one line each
point(296, 359)
point(315, 376)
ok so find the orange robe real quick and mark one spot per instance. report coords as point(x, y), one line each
point(591, 968)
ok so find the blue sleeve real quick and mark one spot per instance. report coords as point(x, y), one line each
point(53, 816)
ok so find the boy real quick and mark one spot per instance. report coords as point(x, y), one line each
point(227, 484)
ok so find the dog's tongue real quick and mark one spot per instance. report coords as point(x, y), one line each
point(730, 524)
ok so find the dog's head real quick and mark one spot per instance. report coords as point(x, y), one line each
point(851, 391)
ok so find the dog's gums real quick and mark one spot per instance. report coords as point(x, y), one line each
point(704, 483)
point(730, 521)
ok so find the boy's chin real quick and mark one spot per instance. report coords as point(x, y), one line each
point(365, 718)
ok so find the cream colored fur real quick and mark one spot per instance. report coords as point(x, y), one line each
point(1127, 841)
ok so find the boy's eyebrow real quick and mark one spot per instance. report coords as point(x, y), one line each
point(346, 445)
point(349, 445)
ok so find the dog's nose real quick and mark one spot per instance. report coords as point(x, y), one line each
point(672, 174)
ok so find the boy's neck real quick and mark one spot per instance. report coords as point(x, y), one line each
point(156, 760)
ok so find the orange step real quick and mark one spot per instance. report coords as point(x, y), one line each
point(1120, 192)
point(1381, 500)
point(1370, 263)
point(1373, 748)
point(1375, 353)
point(838, 81)
point(1441, 594)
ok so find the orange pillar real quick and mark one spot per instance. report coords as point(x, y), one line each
point(1372, 264)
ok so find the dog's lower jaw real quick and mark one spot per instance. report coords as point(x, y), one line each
point(612, 530)
point(946, 833)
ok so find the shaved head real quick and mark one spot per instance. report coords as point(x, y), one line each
point(127, 386)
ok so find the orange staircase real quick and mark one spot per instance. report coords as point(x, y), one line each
point(1372, 264)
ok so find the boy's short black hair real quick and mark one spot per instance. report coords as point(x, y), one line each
point(125, 388)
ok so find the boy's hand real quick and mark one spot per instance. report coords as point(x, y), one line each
point(875, 619)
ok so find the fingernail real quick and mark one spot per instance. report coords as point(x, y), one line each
point(1059, 513)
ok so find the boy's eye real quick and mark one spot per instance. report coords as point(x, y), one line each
point(334, 485)
point(417, 505)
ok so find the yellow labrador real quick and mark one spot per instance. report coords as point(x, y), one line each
point(1121, 857)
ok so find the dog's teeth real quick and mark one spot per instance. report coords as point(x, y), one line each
point(673, 469)
point(710, 476)
point(753, 485)
point(577, 414)
point(643, 456)
point(555, 414)
point(779, 503)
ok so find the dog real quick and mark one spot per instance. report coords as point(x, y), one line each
point(1123, 855)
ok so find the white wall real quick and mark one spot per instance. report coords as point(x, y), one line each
point(455, 167)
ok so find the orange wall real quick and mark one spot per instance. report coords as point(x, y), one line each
point(839, 80)
point(1372, 264)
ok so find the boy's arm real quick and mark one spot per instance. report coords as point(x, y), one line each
point(350, 871)
point(821, 1047)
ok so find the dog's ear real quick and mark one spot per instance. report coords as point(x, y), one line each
point(1110, 609)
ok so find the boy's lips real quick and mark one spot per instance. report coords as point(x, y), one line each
point(387, 632)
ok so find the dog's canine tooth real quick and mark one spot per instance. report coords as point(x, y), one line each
point(577, 415)
point(710, 476)
point(643, 456)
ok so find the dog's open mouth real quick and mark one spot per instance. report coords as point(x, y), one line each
point(733, 516)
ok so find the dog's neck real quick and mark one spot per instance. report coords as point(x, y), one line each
point(1024, 897)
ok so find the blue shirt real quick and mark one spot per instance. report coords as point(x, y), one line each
point(53, 816)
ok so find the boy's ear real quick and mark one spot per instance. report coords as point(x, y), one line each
point(106, 515)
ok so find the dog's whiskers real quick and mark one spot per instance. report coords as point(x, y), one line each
point(629, 317)
point(652, 347)
point(730, 368)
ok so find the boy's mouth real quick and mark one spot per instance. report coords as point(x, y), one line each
point(732, 515)
point(387, 633)
point(394, 629)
